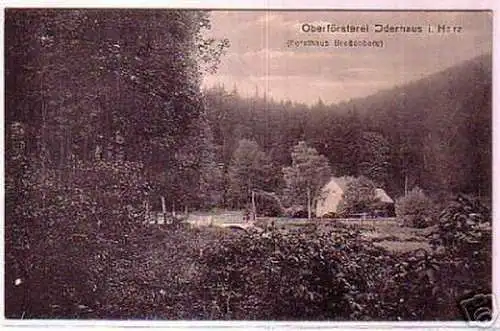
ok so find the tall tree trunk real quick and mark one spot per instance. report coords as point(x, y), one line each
point(406, 184)
point(254, 209)
point(309, 214)
point(85, 149)
point(147, 212)
point(164, 210)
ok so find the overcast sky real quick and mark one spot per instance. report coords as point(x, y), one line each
point(260, 59)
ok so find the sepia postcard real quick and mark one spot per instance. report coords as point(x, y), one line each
point(320, 166)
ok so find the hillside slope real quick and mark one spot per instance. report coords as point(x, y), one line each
point(440, 127)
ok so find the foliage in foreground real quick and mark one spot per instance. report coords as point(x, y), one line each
point(309, 275)
point(57, 224)
point(154, 272)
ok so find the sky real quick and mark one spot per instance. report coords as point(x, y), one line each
point(260, 59)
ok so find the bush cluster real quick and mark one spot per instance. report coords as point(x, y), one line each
point(465, 233)
point(57, 236)
point(335, 275)
point(415, 209)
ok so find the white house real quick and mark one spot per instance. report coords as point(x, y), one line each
point(332, 194)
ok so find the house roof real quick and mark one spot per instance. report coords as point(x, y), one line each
point(342, 181)
point(382, 196)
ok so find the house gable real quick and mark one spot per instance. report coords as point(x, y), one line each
point(382, 196)
point(330, 196)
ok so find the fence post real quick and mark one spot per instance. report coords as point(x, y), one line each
point(309, 214)
point(164, 209)
point(146, 215)
point(254, 209)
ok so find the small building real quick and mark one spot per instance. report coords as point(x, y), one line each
point(331, 195)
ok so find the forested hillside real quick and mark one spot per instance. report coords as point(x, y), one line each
point(435, 132)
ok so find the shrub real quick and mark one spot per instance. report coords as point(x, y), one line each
point(269, 208)
point(415, 209)
point(464, 231)
point(331, 214)
point(311, 275)
point(56, 234)
point(300, 275)
point(296, 211)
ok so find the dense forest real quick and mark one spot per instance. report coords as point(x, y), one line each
point(90, 86)
point(434, 133)
point(103, 109)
